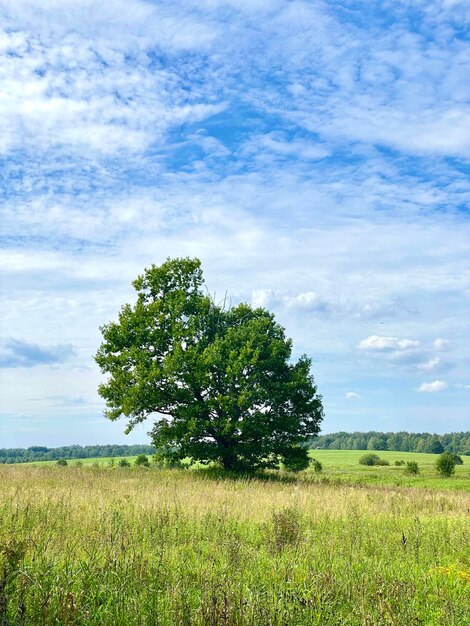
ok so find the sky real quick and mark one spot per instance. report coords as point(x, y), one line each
point(314, 155)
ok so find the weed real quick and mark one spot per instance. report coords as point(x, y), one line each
point(286, 527)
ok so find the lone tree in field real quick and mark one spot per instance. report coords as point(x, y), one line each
point(218, 381)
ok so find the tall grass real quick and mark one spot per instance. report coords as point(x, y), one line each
point(85, 546)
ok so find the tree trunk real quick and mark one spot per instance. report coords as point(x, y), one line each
point(228, 458)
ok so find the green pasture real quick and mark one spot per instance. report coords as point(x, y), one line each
point(92, 462)
point(84, 546)
point(341, 466)
point(350, 458)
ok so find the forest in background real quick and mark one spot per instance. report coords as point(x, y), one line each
point(42, 453)
point(399, 442)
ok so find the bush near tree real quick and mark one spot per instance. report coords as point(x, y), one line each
point(317, 466)
point(220, 380)
point(445, 464)
point(142, 461)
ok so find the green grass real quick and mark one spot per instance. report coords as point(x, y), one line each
point(93, 546)
point(343, 465)
point(94, 461)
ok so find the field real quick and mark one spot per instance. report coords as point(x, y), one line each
point(344, 466)
point(134, 547)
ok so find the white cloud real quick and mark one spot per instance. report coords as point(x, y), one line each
point(264, 298)
point(437, 385)
point(441, 344)
point(308, 301)
point(377, 343)
point(376, 309)
point(79, 78)
point(396, 88)
point(430, 365)
point(351, 395)
point(406, 354)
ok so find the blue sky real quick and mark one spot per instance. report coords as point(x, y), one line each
point(315, 156)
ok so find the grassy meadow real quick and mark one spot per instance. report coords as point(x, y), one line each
point(344, 466)
point(100, 546)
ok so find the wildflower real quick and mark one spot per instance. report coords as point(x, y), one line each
point(453, 571)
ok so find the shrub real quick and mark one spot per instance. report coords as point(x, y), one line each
point(369, 459)
point(123, 463)
point(61, 462)
point(399, 463)
point(372, 459)
point(142, 461)
point(317, 466)
point(411, 468)
point(458, 459)
point(445, 464)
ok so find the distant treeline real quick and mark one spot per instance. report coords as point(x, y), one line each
point(41, 453)
point(401, 442)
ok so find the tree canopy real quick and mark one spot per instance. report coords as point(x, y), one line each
point(219, 382)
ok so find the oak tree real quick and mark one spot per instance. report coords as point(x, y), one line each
point(218, 381)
